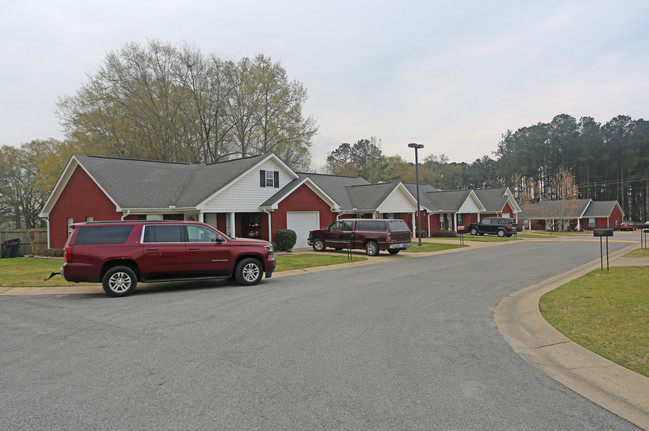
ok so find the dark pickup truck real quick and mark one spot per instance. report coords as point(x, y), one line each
point(372, 235)
point(501, 226)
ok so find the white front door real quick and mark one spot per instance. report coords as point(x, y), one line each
point(302, 222)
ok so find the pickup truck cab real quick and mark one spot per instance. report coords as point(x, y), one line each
point(372, 235)
point(501, 226)
point(119, 254)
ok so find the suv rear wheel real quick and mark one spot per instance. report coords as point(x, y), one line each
point(501, 233)
point(372, 248)
point(474, 231)
point(119, 281)
point(394, 251)
point(248, 272)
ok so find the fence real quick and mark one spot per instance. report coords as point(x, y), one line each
point(32, 241)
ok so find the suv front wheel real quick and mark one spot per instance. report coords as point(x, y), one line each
point(248, 272)
point(119, 281)
point(318, 245)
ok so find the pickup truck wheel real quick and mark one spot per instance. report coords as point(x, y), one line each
point(372, 248)
point(248, 272)
point(393, 251)
point(119, 281)
point(501, 233)
point(318, 245)
point(474, 231)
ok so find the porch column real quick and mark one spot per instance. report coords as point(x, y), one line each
point(233, 229)
point(201, 218)
point(454, 221)
point(414, 225)
point(270, 227)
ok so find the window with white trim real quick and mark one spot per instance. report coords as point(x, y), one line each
point(269, 179)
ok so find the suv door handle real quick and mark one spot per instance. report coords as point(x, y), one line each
point(193, 248)
point(151, 249)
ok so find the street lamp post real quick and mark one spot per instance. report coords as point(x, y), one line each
point(418, 230)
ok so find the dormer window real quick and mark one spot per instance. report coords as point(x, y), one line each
point(269, 179)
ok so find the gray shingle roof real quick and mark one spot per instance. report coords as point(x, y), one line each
point(600, 209)
point(155, 184)
point(446, 200)
point(555, 209)
point(369, 196)
point(493, 200)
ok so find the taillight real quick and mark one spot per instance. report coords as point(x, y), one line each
point(68, 253)
point(388, 238)
point(509, 228)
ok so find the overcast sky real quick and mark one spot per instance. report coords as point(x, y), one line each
point(453, 76)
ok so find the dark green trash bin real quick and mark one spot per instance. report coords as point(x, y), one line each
point(10, 247)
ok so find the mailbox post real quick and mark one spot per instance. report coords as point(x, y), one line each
point(603, 233)
point(460, 230)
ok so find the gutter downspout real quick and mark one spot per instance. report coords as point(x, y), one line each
point(128, 212)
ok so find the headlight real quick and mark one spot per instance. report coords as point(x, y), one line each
point(270, 249)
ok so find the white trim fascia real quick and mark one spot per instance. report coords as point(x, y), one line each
point(476, 199)
point(400, 186)
point(58, 188)
point(252, 168)
point(68, 174)
point(512, 202)
point(314, 187)
point(590, 201)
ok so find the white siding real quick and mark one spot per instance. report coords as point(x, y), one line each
point(246, 195)
point(469, 206)
point(397, 202)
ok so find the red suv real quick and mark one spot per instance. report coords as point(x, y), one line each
point(372, 235)
point(120, 253)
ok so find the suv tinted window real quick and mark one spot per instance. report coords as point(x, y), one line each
point(370, 225)
point(200, 234)
point(398, 226)
point(103, 234)
point(163, 233)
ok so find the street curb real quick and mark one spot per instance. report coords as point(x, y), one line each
point(621, 391)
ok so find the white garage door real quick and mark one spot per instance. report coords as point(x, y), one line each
point(302, 222)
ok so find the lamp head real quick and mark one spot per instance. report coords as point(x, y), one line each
point(414, 145)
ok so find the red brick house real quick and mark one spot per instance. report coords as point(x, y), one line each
point(576, 214)
point(251, 197)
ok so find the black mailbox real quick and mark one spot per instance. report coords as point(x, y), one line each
point(602, 232)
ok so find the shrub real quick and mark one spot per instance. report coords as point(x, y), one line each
point(286, 239)
point(52, 252)
point(445, 234)
point(422, 234)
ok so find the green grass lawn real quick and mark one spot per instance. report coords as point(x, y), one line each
point(547, 234)
point(640, 252)
point(29, 272)
point(607, 312)
point(299, 261)
point(431, 246)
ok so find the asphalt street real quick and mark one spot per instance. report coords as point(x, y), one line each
point(405, 345)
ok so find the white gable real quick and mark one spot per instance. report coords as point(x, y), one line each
point(399, 201)
point(471, 205)
point(246, 194)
